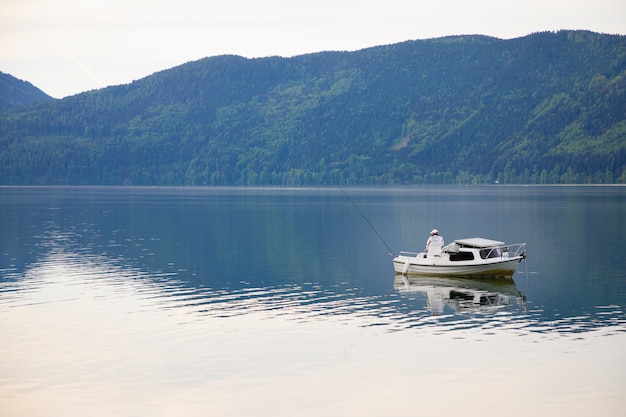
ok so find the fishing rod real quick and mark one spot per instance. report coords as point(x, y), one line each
point(368, 222)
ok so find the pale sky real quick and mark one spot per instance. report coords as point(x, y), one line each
point(65, 47)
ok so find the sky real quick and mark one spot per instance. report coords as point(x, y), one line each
point(65, 47)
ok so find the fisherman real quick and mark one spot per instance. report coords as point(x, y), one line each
point(434, 239)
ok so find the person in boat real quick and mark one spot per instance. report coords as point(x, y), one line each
point(434, 239)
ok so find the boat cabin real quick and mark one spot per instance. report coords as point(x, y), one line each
point(486, 248)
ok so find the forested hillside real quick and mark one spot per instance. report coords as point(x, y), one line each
point(545, 108)
point(16, 93)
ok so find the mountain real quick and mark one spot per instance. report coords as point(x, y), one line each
point(545, 108)
point(16, 93)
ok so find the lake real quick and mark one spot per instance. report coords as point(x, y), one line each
point(132, 301)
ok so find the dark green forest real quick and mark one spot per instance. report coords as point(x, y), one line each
point(545, 108)
point(15, 93)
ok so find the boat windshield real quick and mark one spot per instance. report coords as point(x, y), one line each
point(490, 253)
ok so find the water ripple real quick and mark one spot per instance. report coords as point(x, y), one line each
point(441, 304)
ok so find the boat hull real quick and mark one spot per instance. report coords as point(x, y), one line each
point(429, 267)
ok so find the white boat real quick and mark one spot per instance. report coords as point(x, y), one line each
point(463, 257)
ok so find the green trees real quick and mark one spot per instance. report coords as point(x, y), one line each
point(15, 93)
point(546, 108)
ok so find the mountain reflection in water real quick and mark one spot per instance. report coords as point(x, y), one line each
point(103, 337)
point(445, 303)
point(246, 302)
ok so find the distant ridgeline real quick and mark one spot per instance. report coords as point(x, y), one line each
point(15, 93)
point(545, 108)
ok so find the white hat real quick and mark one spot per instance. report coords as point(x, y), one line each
point(434, 232)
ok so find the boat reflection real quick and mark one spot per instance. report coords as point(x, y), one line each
point(462, 294)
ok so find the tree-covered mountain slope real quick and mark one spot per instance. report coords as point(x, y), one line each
point(16, 93)
point(545, 108)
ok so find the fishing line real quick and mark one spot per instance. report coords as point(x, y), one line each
point(368, 222)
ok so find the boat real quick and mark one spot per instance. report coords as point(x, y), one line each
point(463, 294)
point(470, 257)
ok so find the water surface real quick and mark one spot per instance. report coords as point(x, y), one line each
point(247, 302)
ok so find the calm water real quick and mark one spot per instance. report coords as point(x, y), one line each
point(284, 302)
